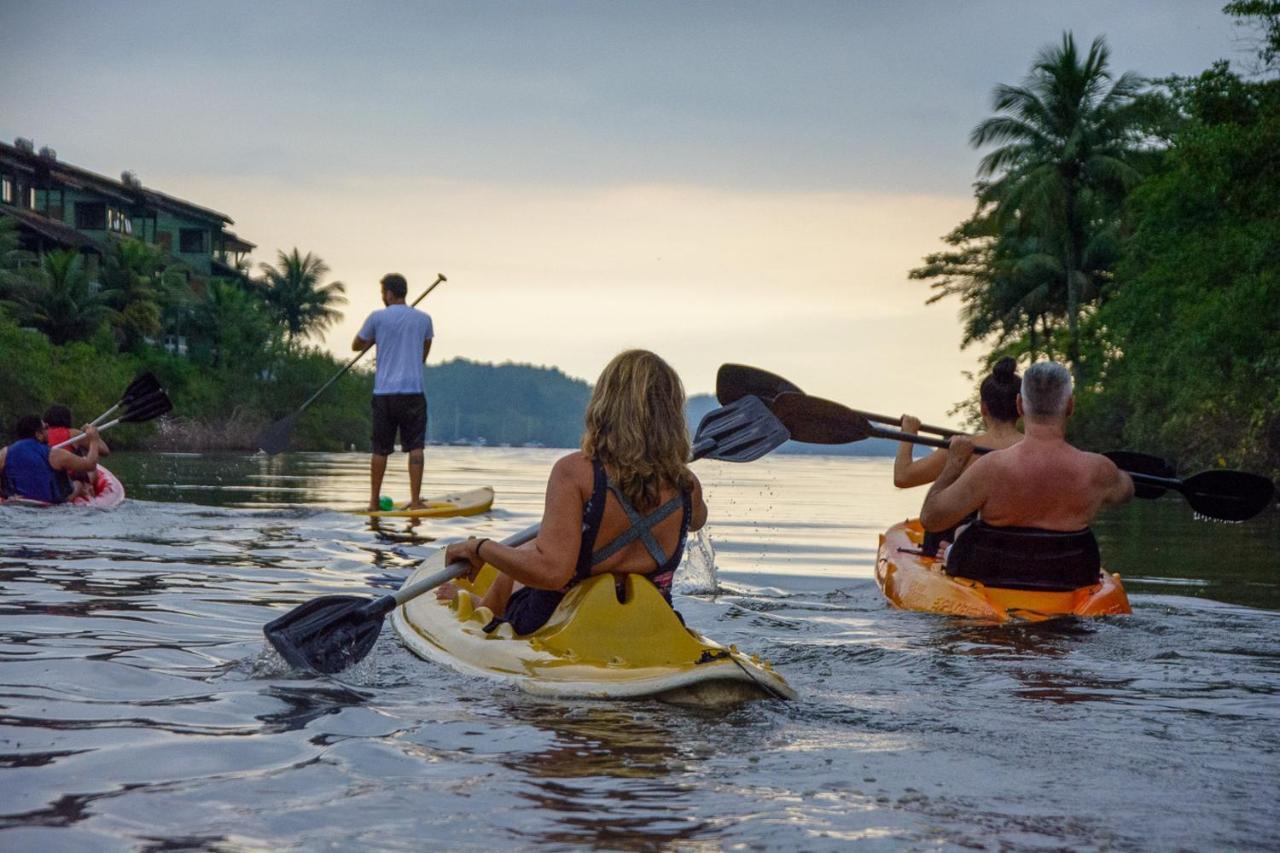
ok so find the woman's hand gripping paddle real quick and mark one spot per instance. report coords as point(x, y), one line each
point(1222, 495)
point(330, 633)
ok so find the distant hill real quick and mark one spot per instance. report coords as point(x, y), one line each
point(520, 404)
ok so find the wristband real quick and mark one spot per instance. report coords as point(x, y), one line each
point(478, 544)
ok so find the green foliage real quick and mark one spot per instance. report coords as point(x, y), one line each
point(59, 298)
point(137, 282)
point(298, 299)
point(1195, 321)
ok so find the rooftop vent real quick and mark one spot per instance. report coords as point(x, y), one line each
point(129, 179)
point(24, 144)
point(48, 153)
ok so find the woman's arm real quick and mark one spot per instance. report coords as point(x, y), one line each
point(699, 518)
point(550, 562)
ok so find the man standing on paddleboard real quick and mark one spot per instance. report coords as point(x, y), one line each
point(403, 336)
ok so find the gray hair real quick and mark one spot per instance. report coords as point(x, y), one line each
point(1046, 388)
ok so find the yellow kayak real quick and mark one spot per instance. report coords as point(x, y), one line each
point(473, 502)
point(593, 646)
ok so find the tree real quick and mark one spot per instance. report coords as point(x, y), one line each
point(59, 299)
point(297, 297)
point(1069, 139)
point(236, 324)
point(139, 285)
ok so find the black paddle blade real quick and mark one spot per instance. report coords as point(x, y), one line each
point(814, 420)
point(275, 438)
point(1143, 463)
point(143, 385)
point(1228, 495)
point(147, 408)
point(735, 381)
point(326, 634)
point(742, 431)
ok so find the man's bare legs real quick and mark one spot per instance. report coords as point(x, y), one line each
point(377, 468)
point(415, 478)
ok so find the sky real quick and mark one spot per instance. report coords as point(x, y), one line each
point(746, 182)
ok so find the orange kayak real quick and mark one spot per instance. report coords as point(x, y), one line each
point(912, 581)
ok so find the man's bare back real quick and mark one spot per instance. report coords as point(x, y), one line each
point(1042, 481)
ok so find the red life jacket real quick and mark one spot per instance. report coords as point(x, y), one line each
point(56, 435)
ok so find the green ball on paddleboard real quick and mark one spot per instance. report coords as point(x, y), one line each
point(386, 504)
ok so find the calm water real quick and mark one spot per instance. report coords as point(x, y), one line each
point(137, 711)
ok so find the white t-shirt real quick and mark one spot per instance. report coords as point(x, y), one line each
point(399, 332)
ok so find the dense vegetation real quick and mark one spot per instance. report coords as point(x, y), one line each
point(1132, 230)
point(235, 357)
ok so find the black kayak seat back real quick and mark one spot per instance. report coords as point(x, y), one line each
point(1025, 557)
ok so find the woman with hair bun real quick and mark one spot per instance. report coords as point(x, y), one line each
point(623, 503)
point(999, 402)
point(998, 396)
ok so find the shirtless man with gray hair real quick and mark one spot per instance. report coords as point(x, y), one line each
point(1040, 482)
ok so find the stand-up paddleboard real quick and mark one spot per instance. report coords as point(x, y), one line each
point(109, 494)
point(473, 502)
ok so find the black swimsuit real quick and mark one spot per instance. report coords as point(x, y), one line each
point(529, 608)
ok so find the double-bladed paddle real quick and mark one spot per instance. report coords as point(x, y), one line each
point(1223, 495)
point(136, 410)
point(275, 438)
point(143, 385)
point(330, 633)
point(738, 380)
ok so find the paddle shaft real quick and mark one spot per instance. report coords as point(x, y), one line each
point(82, 436)
point(350, 364)
point(898, 435)
point(448, 573)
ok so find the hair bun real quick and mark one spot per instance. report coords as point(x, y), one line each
point(1005, 367)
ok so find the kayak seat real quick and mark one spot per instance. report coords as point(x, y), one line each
point(1025, 557)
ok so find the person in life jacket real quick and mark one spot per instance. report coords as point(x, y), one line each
point(57, 423)
point(624, 503)
point(30, 469)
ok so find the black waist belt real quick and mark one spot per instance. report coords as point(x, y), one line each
point(1025, 557)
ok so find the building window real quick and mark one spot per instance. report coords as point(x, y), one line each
point(91, 215)
point(6, 190)
point(119, 222)
point(191, 241)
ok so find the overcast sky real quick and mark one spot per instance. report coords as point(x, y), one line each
point(715, 181)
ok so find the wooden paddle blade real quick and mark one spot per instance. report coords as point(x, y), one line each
point(817, 421)
point(1143, 463)
point(327, 634)
point(147, 408)
point(275, 438)
point(735, 381)
point(1228, 495)
point(742, 431)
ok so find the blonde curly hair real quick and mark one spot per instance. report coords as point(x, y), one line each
point(635, 426)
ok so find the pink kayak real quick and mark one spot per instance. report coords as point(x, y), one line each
point(110, 494)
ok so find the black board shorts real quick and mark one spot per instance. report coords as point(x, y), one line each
point(405, 413)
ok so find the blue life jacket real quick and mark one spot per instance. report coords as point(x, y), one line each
point(28, 474)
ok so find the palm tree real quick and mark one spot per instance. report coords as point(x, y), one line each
point(59, 299)
point(301, 303)
point(1069, 138)
point(138, 284)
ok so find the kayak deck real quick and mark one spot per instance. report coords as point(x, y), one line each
point(914, 582)
point(593, 646)
point(473, 502)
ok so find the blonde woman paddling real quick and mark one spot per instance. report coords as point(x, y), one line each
point(622, 504)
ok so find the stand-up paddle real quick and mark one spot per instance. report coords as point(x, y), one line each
point(137, 410)
point(330, 633)
point(738, 380)
point(1223, 495)
point(275, 438)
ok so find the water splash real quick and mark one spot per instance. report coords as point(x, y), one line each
point(697, 573)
